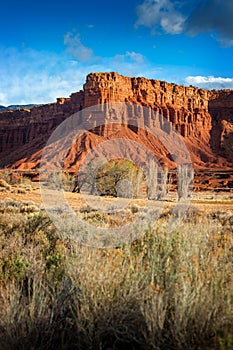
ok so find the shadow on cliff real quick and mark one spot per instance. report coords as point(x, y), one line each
point(221, 134)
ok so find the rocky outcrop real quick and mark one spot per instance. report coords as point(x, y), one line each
point(221, 111)
point(185, 107)
point(203, 118)
point(24, 133)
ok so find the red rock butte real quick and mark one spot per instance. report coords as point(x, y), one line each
point(203, 118)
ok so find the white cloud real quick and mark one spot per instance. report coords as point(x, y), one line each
point(76, 48)
point(210, 82)
point(129, 63)
point(29, 76)
point(39, 87)
point(225, 42)
point(213, 16)
point(160, 14)
point(2, 98)
point(189, 17)
point(132, 57)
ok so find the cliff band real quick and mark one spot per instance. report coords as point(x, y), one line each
point(203, 118)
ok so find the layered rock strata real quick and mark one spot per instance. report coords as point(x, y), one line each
point(203, 118)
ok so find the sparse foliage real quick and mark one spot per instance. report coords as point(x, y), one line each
point(117, 178)
point(185, 179)
point(163, 291)
point(157, 181)
point(152, 180)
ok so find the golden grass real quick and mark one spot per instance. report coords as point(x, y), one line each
point(163, 291)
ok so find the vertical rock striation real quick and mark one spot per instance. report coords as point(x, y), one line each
point(203, 118)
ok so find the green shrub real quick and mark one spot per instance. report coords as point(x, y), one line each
point(119, 178)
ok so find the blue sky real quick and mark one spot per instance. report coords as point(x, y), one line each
point(47, 47)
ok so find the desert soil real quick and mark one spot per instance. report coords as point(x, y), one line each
point(207, 201)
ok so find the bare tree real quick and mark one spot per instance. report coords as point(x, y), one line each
point(138, 182)
point(185, 179)
point(163, 183)
point(152, 180)
point(86, 178)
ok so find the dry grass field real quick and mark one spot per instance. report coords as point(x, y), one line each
point(163, 291)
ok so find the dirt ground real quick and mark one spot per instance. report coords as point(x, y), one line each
point(207, 201)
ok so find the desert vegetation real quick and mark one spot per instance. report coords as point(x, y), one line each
point(117, 178)
point(163, 291)
point(122, 178)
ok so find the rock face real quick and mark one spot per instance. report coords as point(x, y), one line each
point(203, 118)
point(185, 107)
point(221, 111)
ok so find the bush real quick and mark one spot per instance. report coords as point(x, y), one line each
point(119, 178)
point(4, 184)
point(164, 291)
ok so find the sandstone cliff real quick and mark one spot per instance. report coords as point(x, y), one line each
point(203, 118)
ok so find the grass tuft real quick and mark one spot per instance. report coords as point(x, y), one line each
point(163, 292)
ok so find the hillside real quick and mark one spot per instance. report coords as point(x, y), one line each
point(203, 118)
point(17, 107)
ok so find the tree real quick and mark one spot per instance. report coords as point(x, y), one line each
point(86, 177)
point(119, 178)
point(185, 179)
point(157, 181)
point(152, 187)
